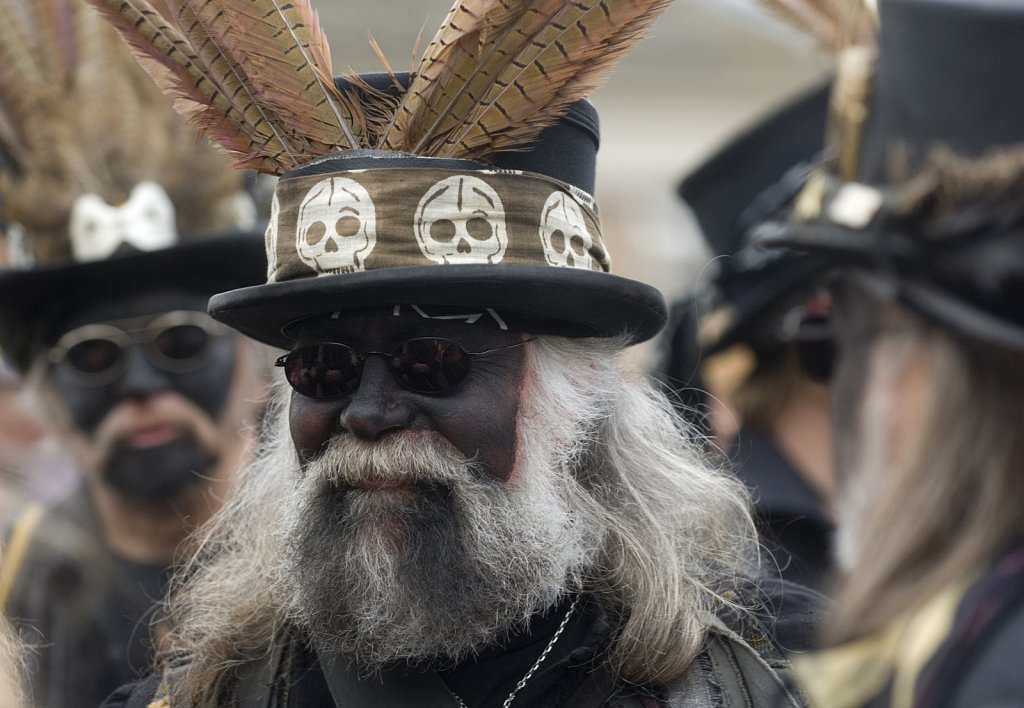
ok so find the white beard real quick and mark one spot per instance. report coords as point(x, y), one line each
point(429, 572)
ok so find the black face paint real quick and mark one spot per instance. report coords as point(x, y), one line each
point(207, 386)
point(478, 417)
point(157, 473)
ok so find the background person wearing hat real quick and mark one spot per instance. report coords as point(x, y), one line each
point(749, 340)
point(464, 499)
point(120, 225)
point(921, 215)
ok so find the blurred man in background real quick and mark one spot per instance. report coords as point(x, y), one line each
point(745, 348)
point(120, 225)
point(921, 215)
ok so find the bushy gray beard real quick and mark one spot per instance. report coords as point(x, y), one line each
point(428, 573)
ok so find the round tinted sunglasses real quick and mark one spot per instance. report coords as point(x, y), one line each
point(177, 342)
point(431, 365)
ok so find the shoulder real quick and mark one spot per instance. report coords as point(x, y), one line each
point(785, 613)
point(994, 676)
point(745, 657)
point(50, 549)
point(979, 661)
point(139, 694)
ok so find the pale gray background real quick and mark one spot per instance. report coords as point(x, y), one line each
point(709, 68)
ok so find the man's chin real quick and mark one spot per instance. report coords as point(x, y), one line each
point(158, 472)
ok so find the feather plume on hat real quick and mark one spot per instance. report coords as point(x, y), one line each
point(849, 30)
point(255, 76)
point(77, 116)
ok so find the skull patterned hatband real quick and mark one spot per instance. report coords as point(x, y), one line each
point(356, 220)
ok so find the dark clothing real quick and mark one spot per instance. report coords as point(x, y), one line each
point(85, 611)
point(791, 517)
point(573, 674)
point(980, 661)
point(976, 663)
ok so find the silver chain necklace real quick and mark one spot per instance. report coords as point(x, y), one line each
point(536, 664)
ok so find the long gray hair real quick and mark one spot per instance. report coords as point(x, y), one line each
point(12, 667)
point(932, 482)
point(676, 530)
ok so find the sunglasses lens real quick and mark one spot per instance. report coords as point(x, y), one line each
point(430, 365)
point(182, 345)
point(94, 356)
point(324, 370)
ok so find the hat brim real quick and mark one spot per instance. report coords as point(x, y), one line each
point(538, 299)
point(37, 300)
point(781, 285)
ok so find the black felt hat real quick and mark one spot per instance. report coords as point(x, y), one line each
point(923, 198)
point(35, 301)
point(515, 241)
point(753, 178)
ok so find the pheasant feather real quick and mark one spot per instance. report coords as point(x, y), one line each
point(499, 71)
point(179, 69)
point(202, 28)
point(284, 54)
point(255, 75)
point(570, 56)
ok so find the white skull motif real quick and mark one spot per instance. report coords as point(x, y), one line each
point(337, 226)
point(270, 238)
point(145, 222)
point(461, 220)
point(563, 232)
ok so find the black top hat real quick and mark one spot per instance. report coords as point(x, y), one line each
point(753, 178)
point(516, 239)
point(926, 201)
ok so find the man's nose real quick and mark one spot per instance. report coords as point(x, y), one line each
point(378, 405)
point(141, 378)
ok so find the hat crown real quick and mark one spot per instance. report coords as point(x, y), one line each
point(947, 75)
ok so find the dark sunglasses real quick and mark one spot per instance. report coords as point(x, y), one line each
point(177, 342)
point(430, 365)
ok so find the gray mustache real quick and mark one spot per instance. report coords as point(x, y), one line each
point(408, 457)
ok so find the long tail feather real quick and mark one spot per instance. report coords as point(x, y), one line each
point(287, 61)
point(544, 56)
point(254, 76)
point(200, 27)
point(569, 59)
point(495, 74)
point(178, 69)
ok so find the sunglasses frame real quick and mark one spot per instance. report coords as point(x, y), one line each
point(120, 332)
point(282, 361)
